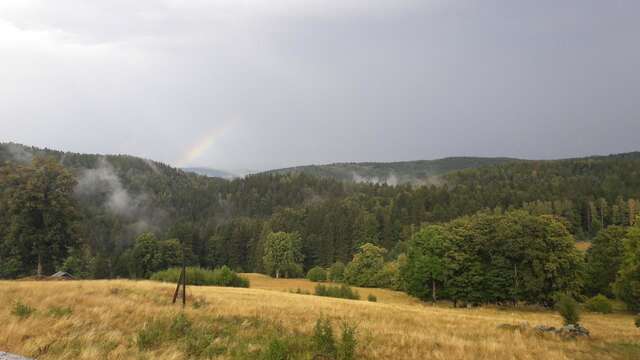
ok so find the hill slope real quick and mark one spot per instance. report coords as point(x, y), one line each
point(120, 319)
point(223, 222)
point(393, 173)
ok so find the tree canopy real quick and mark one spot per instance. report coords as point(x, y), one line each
point(282, 254)
point(39, 219)
point(627, 285)
point(488, 258)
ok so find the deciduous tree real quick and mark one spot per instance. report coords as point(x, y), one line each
point(282, 253)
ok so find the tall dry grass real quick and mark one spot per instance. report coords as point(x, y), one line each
point(106, 316)
point(260, 281)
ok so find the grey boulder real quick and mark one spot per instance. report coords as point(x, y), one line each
point(7, 356)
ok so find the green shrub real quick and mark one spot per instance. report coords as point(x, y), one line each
point(326, 345)
point(317, 274)
point(22, 310)
point(336, 272)
point(291, 271)
point(323, 340)
point(342, 291)
point(180, 326)
point(348, 343)
point(638, 322)
point(57, 311)
point(150, 336)
point(600, 304)
point(199, 342)
point(300, 291)
point(389, 276)
point(372, 298)
point(277, 350)
point(222, 276)
point(363, 269)
point(568, 309)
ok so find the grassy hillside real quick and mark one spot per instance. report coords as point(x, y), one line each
point(393, 172)
point(264, 282)
point(119, 319)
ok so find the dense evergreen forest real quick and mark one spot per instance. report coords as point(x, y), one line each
point(107, 202)
point(420, 172)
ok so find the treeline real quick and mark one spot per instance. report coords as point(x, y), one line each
point(613, 265)
point(520, 258)
point(494, 258)
point(106, 203)
point(403, 172)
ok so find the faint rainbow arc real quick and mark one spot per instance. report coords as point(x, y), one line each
point(200, 147)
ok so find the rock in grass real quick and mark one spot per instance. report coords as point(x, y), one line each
point(7, 356)
point(541, 329)
point(572, 331)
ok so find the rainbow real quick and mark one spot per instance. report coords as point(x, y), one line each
point(200, 147)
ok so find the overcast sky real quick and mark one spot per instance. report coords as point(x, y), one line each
point(254, 84)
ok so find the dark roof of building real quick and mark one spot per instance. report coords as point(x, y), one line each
point(62, 274)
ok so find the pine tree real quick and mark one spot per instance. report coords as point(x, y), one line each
point(42, 213)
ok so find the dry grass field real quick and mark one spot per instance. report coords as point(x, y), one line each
point(112, 319)
point(260, 281)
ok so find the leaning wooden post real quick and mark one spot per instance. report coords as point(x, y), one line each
point(175, 294)
point(184, 282)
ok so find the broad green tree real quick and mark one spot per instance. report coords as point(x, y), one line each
point(145, 256)
point(170, 253)
point(494, 258)
point(282, 254)
point(363, 269)
point(426, 266)
point(603, 261)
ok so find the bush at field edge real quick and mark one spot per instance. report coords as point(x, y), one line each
point(222, 276)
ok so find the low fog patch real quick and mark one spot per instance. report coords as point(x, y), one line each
point(19, 153)
point(104, 184)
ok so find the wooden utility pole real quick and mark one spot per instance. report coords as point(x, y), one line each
point(182, 280)
point(184, 283)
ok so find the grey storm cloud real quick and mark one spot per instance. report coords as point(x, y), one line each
point(262, 84)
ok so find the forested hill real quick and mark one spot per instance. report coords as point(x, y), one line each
point(418, 172)
point(122, 195)
point(211, 172)
point(225, 221)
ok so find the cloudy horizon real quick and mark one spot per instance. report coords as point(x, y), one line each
point(258, 85)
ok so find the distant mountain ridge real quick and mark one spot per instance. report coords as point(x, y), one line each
point(394, 173)
point(211, 172)
point(418, 172)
